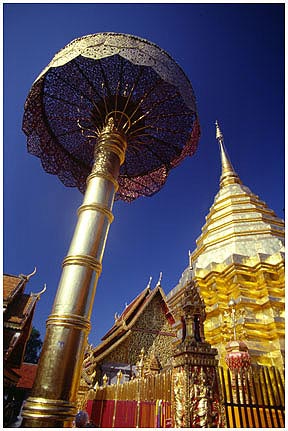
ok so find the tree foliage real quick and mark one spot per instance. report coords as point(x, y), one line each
point(33, 347)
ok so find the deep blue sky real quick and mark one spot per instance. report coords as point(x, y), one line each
point(234, 57)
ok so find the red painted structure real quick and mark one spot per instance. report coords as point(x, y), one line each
point(124, 414)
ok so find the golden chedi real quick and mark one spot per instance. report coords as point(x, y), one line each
point(240, 255)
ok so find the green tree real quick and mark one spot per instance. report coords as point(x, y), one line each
point(33, 347)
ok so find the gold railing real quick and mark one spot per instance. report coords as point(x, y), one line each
point(148, 388)
point(255, 399)
point(144, 401)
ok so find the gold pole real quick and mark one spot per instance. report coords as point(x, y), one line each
point(53, 399)
point(140, 370)
point(119, 377)
point(105, 379)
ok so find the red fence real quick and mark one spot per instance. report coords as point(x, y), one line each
point(129, 414)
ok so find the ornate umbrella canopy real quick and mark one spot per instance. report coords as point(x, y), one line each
point(103, 75)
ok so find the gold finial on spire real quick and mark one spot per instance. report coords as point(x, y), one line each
point(228, 175)
point(219, 135)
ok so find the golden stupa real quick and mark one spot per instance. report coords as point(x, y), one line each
point(239, 256)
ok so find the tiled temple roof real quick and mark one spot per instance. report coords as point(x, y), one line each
point(11, 286)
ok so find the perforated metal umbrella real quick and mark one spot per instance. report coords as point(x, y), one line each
point(133, 80)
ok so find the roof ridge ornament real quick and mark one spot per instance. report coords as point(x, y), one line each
point(190, 260)
point(41, 291)
point(159, 280)
point(27, 277)
point(149, 282)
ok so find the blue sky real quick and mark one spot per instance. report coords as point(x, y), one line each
point(234, 56)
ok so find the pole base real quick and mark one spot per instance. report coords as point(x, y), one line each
point(45, 413)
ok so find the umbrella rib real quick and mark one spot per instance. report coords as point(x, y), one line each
point(104, 77)
point(92, 87)
point(169, 144)
point(181, 114)
point(65, 101)
point(58, 117)
point(87, 79)
point(131, 91)
point(74, 159)
point(175, 132)
point(145, 97)
point(137, 151)
point(118, 86)
point(106, 85)
point(51, 132)
point(153, 106)
point(60, 99)
point(77, 92)
point(70, 132)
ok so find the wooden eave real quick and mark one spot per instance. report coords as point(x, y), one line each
point(12, 287)
point(19, 311)
point(14, 349)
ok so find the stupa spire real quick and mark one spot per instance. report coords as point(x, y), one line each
point(228, 175)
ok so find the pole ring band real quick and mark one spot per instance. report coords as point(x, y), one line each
point(46, 408)
point(114, 148)
point(114, 142)
point(105, 176)
point(72, 320)
point(97, 207)
point(83, 260)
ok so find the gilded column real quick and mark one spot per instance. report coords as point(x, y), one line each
point(53, 399)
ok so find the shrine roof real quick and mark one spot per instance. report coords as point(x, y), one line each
point(19, 311)
point(17, 318)
point(12, 284)
point(123, 323)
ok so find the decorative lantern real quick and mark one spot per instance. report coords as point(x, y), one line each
point(237, 358)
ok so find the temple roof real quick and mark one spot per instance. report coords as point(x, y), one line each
point(12, 284)
point(17, 319)
point(19, 311)
point(129, 312)
point(123, 323)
